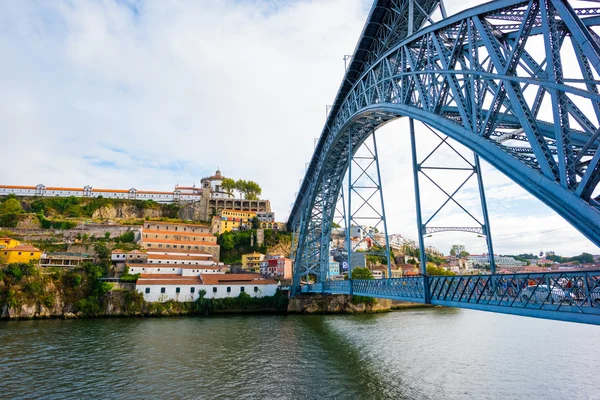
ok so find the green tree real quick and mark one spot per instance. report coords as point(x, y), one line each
point(11, 206)
point(361, 273)
point(228, 185)
point(253, 190)
point(431, 270)
point(240, 186)
point(255, 222)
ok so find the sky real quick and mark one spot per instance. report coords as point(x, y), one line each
point(149, 94)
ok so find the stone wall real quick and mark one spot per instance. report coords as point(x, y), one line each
point(92, 230)
point(343, 304)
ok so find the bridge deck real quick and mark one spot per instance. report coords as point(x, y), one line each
point(565, 296)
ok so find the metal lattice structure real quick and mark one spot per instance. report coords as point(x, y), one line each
point(516, 82)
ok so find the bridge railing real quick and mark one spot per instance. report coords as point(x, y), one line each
point(573, 292)
point(395, 288)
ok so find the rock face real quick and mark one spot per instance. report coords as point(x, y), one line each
point(336, 304)
point(127, 211)
point(29, 222)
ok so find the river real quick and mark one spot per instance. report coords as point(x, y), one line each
point(437, 353)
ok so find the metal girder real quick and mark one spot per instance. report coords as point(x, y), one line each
point(564, 296)
point(476, 82)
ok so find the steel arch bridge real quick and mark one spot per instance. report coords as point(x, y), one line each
point(516, 82)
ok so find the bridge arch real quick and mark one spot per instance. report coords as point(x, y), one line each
point(470, 77)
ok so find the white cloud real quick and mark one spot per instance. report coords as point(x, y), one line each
point(113, 95)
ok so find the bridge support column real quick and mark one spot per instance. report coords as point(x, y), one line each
point(486, 218)
point(420, 227)
point(366, 229)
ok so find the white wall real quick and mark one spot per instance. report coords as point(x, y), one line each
point(171, 270)
point(155, 294)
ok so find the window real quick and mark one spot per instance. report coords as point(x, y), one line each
point(30, 254)
point(162, 289)
point(242, 289)
point(192, 290)
point(147, 290)
point(228, 289)
point(215, 289)
point(19, 253)
point(255, 289)
point(177, 290)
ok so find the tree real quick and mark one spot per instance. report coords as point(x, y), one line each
point(456, 250)
point(228, 185)
point(255, 222)
point(431, 270)
point(252, 190)
point(240, 186)
point(361, 273)
point(11, 206)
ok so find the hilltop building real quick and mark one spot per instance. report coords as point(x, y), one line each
point(210, 196)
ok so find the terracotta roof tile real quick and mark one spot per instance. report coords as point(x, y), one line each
point(223, 279)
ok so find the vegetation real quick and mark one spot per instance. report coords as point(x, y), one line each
point(244, 302)
point(236, 243)
point(250, 189)
point(431, 270)
point(361, 273)
point(459, 251)
point(127, 277)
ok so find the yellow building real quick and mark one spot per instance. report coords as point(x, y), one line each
point(8, 243)
point(20, 253)
point(228, 220)
point(252, 261)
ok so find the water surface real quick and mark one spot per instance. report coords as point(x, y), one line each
point(416, 354)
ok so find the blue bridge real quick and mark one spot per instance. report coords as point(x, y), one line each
point(514, 82)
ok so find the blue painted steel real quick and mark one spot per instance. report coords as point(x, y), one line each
point(565, 296)
point(486, 218)
point(472, 77)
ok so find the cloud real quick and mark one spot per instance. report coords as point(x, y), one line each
point(145, 94)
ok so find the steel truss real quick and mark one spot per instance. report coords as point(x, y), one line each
point(484, 84)
point(474, 168)
point(565, 296)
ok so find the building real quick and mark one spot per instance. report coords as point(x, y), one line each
point(278, 267)
point(265, 216)
point(19, 253)
point(210, 197)
point(7, 243)
point(64, 260)
point(178, 239)
point(501, 261)
point(177, 269)
point(251, 262)
point(232, 220)
point(334, 267)
point(161, 288)
point(134, 256)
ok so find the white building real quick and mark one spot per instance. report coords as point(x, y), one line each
point(501, 261)
point(217, 286)
point(180, 270)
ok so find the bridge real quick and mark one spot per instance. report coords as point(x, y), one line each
point(517, 84)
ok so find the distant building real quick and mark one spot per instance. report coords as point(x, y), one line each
point(134, 256)
point(334, 267)
point(210, 196)
point(183, 239)
point(19, 253)
point(278, 267)
point(251, 261)
point(7, 243)
point(64, 260)
point(232, 220)
point(500, 261)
